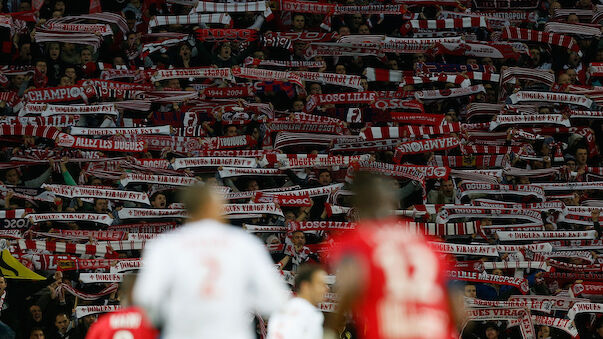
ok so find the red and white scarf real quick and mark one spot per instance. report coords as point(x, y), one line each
point(437, 94)
point(443, 230)
point(191, 19)
point(152, 227)
point(559, 303)
point(460, 249)
point(315, 100)
point(462, 211)
point(62, 247)
point(66, 140)
point(90, 296)
point(142, 213)
point(311, 160)
point(89, 192)
point(250, 61)
point(157, 179)
point(587, 289)
point(425, 145)
point(467, 188)
point(103, 29)
point(465, 22)
point(69, 37)
point(88, 278)
point(365, 146)
point(588, 30)
point(225, 34)
point(479, 161)
point(306, 127)
point(505, 265)
point(263, 208)
point(374, 133)
point(46, 110)
point(566, 325)
point(544, 235)
point(227, 92)
point(266, 75)
point(387, 75)
point(59, 94)
point(397, 103)
point(98, 235)
point(345, 80)
point(381, 168)
point(100, 218)
point(562, 98)
point(575, 267)
point(302, 36)
point(281, 200)
point(523, 34)
point(417, 119)
point(82, 311)
point(584, 308)
point(213, 162)
point(265, 229)
point(200, 72)
point(126, 265)
point(533, 305)
point(229, 172)
point(320, 225)
point(495, 50)
point(537, 119)
point(216, 7)
point(337, 9)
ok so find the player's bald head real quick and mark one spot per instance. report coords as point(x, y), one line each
point(374, 195)
point(202, 202)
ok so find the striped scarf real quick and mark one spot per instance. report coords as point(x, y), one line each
point(374, 133)
point(573, 29)
point(191, 19)
point(466, 22)
point(479, 161)
point(387, 75)
point(523, 34)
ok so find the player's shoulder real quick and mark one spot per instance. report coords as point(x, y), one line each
point(208, 230)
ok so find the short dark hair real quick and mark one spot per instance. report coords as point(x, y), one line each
point(34, 329)
point(322, 170)
point(305, 274)
point(60, 314)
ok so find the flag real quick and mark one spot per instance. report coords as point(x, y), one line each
point(11, 268)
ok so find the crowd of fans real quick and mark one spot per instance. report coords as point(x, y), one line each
point(110, 117)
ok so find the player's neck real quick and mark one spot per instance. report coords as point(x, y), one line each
point(306, 297)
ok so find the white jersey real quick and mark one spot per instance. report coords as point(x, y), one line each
point(205, 279)
point(297, 320)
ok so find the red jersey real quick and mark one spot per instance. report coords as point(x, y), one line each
point(128, 323)
point(404, 293)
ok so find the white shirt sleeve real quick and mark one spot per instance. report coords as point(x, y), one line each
point(154, 281)
point(269, 291)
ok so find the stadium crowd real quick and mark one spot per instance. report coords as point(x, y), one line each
point(486, 113)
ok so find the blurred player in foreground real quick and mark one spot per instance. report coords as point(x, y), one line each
point(389, 277)
point(300, 318)
point(127, 323)
point(206, 278)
